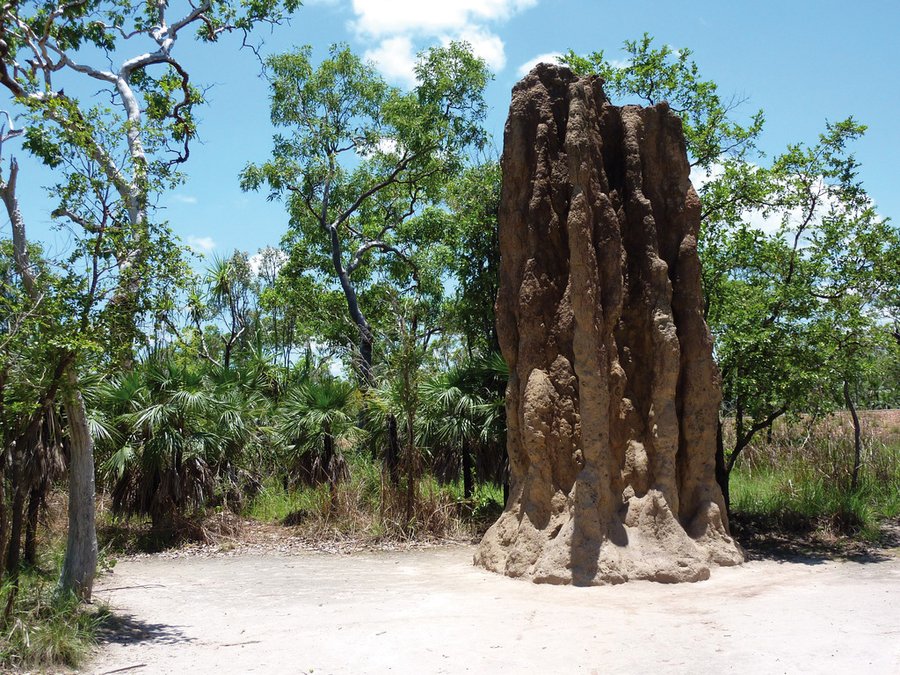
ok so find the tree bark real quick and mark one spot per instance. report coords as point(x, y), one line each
point(328, 465)
point(722, 473)
point(857, 438)
point(31, 522)
point(4, 522)
point(468, 483)
point(28, 438)
point(80, 564)
point(392, 452)
point(743, 439)
point(411, 468)
point(4, 442)
point(14, 550)
point(366, 340)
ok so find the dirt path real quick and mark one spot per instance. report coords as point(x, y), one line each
point(433, 612)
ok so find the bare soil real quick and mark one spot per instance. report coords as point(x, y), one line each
point(432, 611)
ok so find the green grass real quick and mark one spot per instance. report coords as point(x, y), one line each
point(45, 631)
point(274, 504)
point(367, 506)
point(806, 487)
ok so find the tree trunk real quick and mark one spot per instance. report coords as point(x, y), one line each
point(411, 468)
point(4, 521)
point(392, 452)
point(468, 483)
point(366, 340)
point(80, 564)
point(14, 550)
point(722, 473)
point(366, 345)
point(328, 462)
point(31, 523)
point(857, 438)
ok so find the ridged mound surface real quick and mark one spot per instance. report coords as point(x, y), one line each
point(613, 394)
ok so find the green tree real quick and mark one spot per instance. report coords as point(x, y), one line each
point(359, 160)
point(131, 150)
point(472, 221)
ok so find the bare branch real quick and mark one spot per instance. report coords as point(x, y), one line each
point(392, 178)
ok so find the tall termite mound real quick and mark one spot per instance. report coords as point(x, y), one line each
point(613, 393)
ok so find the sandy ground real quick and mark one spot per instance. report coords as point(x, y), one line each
point(431, 611)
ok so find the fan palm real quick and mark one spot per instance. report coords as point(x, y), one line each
point(462, 409)
point(172, 430)
point(313, 419)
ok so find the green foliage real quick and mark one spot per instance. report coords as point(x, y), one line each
point(462, 404)
point(653, 75)
point(113, 159)
point(174, 436)
point(797, 311)
point(314, 420)
point(359, 162)
point(472, 223)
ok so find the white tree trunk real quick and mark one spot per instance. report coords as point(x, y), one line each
point(80, 564)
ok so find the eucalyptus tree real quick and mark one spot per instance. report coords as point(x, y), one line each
point(56, 312)
point(358, 161)
point(474, 207)
point(132, 146)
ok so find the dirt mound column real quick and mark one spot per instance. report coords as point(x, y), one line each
point(613, 394)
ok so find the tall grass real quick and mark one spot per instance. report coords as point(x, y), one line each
point(45, 631)
point(799, 478)
point(367, 505)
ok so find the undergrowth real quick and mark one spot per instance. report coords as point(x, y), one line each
point(799, 481)
point(368, 505)
point(45, 630)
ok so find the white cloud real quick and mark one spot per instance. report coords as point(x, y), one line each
point(400, 28)
point(396, 59)
point(379, 18)
point(485, 45)
point(700, 176)
point(549, 57)
point(385, 146)
point(184, 199)
point(201, 244)
point(268, 260)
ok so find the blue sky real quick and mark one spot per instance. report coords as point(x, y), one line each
point(802, 61)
